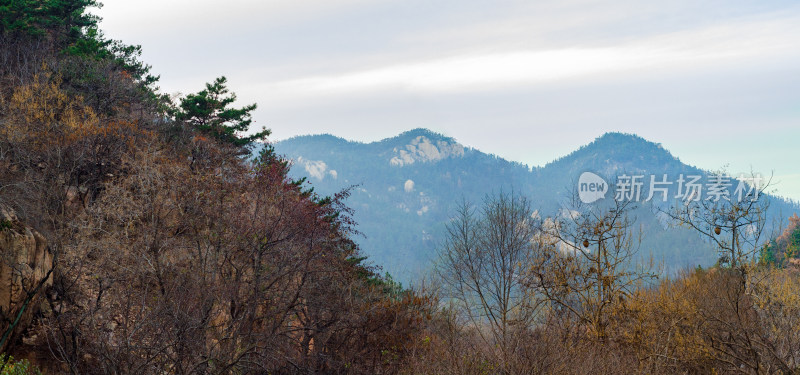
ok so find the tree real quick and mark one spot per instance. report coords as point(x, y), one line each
point(743, 308)
point(482, 266)
point(208, 112)
point(65, 19)
point(779, 251)
point(767, 256)
point(736, 227)
point(162, 265)
point(67, 28)
point(793, 248)
point(587, 270)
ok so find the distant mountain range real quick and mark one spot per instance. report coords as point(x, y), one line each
point(406, 188)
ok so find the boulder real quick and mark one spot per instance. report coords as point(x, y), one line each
point(25, 272)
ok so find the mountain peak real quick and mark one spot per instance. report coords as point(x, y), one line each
point(422, 145)
point(421, 132)
point(624, 140)
point(615, 152)
point(615, 143)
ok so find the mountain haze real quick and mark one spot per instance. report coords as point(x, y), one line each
point(405, 189)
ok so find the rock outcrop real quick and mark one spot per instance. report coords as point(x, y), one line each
point(423, 149)
point(25, 271)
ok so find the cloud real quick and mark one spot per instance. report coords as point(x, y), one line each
point(553, 74)
point(475, 71)
point(235, 14)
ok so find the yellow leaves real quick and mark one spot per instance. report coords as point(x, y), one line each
point(42, 114)
point(775, 296)
point(665, 321)
point(607, 281)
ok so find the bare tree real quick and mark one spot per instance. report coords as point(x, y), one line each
point(483, 263)
point(587, 269)
point(735, 224)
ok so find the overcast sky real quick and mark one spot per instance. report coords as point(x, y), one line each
point(716, 82)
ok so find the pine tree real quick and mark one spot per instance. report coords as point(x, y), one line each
point(793, 248)
point(208, 111)
point(767, 256)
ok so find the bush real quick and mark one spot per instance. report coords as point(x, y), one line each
point(21, 367)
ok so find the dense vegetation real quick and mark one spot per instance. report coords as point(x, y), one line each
point(174, 252)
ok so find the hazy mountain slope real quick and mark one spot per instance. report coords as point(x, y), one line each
point(407, 186)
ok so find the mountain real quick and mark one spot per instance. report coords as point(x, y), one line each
point(405, 187)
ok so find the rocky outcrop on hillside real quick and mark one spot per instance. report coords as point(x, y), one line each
point(423, 149)
point(26, 265)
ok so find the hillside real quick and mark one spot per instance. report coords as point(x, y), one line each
point(139, 235)
point(406, 186)
point(136, 239)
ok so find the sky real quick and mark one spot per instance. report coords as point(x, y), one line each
point(716, 82)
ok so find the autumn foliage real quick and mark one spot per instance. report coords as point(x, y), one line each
point(173, 253)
